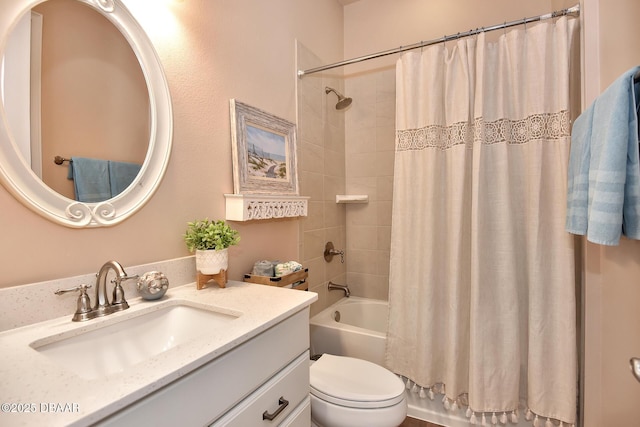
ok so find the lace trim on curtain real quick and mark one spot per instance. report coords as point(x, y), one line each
point(489, 418)
point(532, 128)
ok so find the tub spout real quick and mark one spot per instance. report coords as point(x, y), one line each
point(345, 288)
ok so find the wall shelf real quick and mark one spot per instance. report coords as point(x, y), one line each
point(352, 198)
point(246, 207)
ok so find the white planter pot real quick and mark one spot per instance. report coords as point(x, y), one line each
point(212, 261)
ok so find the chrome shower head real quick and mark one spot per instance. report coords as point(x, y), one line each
point(343, 101)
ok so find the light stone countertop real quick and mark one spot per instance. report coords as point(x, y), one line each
point(30, 379)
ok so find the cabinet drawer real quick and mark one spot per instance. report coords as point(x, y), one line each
point(279, 397)
point(301, 416)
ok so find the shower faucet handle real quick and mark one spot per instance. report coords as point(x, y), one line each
point(330, 251)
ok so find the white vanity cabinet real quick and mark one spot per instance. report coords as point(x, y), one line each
point(238, 388)
point(287, 390)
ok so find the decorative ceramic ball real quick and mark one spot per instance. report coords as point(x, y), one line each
point(153, 285)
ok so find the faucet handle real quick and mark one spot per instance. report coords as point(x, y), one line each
point(330, 251)
point(82, 288)
point(83, 305)
point(119, 279)
point(341, 253)
point(118, 302)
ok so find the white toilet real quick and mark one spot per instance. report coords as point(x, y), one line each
point(349, 392)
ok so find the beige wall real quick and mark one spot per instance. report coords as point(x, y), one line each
point(211, 51)
point(612, 315)
point(377, 25)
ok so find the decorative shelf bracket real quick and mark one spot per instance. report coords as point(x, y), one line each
point(246, 207)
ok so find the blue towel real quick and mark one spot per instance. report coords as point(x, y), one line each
point(90, 179)
point(603, 197)
point(121, 175)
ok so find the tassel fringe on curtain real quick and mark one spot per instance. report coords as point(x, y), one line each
point(482, 282)
point(479, 418)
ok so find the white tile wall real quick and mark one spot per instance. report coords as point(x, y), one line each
point(370, 143)
point(321, 139)
point(346, 152)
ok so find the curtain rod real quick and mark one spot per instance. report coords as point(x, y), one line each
point(556, 14)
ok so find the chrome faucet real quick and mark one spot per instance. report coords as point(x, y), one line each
point(118, 302)
point(84, 310)
point(331, 286)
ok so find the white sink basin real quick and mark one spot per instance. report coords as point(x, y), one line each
point(118, 346)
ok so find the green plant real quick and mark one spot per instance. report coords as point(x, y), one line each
point(206, 234)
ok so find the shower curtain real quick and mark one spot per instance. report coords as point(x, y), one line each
point(482, 286)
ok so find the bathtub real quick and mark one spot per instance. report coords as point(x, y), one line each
point(356, 327)
point(353, 327)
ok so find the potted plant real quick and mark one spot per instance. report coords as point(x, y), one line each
point(210, 240)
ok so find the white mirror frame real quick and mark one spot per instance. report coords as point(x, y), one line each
point(27, 187)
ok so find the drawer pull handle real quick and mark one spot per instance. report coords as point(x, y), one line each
point(283, 404)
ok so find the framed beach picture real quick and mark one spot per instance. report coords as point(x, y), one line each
point(264, 152)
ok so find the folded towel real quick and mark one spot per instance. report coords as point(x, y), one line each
point(121, 175)
point(287, 268)
point(90, 179)
point(603, 194)
point(263, 268)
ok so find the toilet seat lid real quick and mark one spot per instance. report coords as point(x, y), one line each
point(354, 382)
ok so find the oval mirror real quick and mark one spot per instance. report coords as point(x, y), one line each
point(141, 136)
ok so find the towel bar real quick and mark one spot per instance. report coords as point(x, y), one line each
point(58, 160)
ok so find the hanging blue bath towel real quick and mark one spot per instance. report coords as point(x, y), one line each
point(121, 175)
point(603, 198)
point(90, 179)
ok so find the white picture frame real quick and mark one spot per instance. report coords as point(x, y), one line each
point(264, 152)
